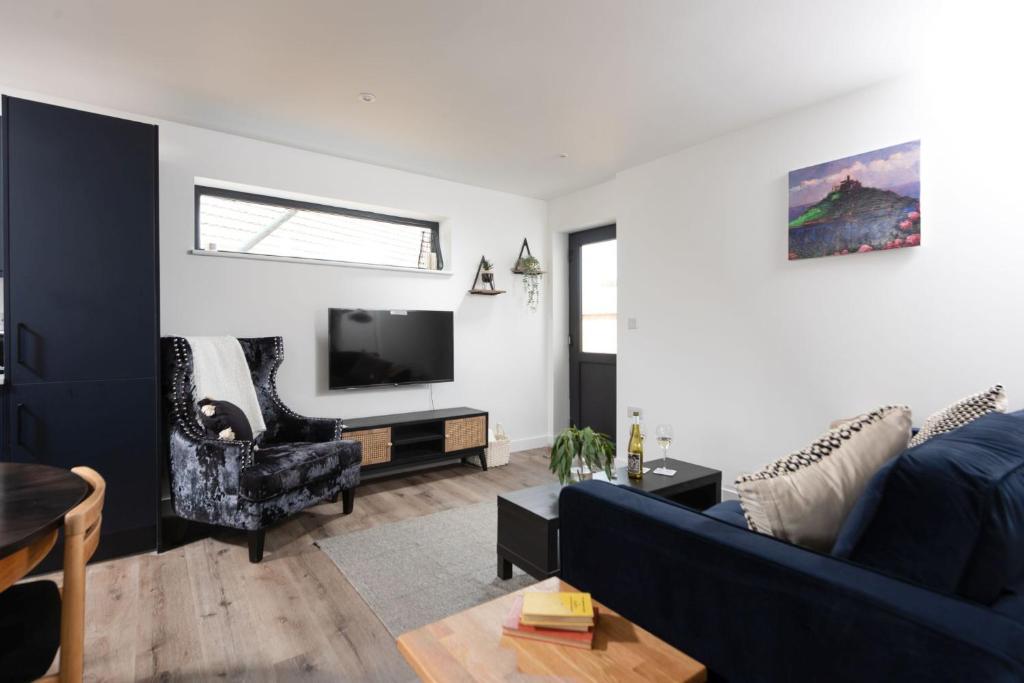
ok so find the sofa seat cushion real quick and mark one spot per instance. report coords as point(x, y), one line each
point(951, 512)
point(728, 511)
point(278, 469)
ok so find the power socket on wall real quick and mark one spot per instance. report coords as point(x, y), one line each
point(633, 409)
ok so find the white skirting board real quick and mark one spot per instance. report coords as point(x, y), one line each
point(531, 442)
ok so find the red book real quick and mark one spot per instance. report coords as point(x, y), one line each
point(512, 627)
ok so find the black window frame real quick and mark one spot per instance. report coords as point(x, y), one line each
point(281, 202)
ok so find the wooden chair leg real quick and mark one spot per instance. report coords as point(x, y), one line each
point(334, 498)
point(348, 500)
point(256, 545)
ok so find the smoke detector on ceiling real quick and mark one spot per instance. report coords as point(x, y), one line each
point(367, 97)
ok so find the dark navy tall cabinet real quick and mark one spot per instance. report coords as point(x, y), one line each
point(81, 293)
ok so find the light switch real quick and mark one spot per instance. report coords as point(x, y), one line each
point(631, 324)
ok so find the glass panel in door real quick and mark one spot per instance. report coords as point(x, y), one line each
point(598, 290)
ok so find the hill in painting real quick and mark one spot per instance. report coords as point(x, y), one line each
point(854, 218)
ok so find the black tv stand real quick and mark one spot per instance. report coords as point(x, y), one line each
point(406, 442)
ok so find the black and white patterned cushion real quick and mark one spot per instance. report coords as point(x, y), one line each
point(962, 412)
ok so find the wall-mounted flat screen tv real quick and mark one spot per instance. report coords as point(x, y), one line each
point(386, 348)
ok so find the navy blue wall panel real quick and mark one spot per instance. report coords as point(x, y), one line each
point(82, 304)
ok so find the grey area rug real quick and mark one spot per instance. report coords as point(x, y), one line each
point(419, 570)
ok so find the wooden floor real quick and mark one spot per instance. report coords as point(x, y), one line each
point(203, 612)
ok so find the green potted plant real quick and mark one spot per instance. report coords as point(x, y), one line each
point(584, 447)
point(487, 271)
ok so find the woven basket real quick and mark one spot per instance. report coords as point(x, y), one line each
point(498, 453)
point(376, 444)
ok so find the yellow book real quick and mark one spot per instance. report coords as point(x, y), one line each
point(570, 607)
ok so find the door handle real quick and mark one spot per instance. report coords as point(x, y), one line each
point(19, 410)
point(20, 354)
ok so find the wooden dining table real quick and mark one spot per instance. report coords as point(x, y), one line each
point(33, 502)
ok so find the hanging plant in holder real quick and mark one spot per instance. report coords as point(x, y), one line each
point(528, 266)
point(531, 281)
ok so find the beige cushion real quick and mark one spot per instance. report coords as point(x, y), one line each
point(835, 424)
point(804, 497)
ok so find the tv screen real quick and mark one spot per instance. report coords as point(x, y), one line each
point(370, 348)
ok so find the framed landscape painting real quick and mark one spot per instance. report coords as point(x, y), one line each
point(866, 202)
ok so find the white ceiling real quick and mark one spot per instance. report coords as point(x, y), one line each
point(486, 92)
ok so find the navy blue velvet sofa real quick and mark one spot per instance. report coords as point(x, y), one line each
point(926, 582)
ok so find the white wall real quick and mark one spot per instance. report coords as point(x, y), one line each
point(750, 355)
point(501, 349)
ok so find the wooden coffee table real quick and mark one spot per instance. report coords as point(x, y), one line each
point(528, 518)
point(469, 646)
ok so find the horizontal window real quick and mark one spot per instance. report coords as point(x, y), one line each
point(245, 223)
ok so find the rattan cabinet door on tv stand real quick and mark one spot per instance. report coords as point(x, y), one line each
point(406, 442)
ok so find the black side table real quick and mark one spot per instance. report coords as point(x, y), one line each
point(528, 531)
point(528, 519)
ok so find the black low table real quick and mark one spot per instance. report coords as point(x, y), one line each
point(528, 519)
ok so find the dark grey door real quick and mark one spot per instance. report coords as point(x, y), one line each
point(593, 328)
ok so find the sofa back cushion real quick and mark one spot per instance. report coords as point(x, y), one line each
point(863, 512)
point(950, 514)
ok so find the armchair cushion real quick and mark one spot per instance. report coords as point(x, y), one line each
point(278, 469)
point(220, 416)
point(289, 429)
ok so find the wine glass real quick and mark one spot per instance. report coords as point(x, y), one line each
point(664, 435)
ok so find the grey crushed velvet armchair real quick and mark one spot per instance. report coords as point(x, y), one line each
point(249, 485)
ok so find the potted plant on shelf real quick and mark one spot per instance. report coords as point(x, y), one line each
point(487, 272)
point(586, 449)
point(529, 268)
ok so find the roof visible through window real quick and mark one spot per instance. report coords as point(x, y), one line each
point(253, 224)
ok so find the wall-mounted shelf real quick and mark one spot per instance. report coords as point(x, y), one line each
point(484, 285)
